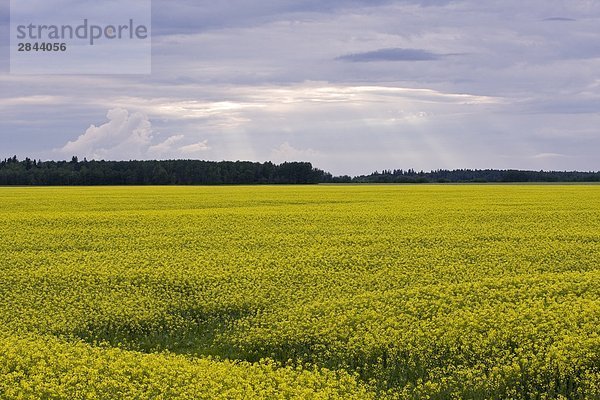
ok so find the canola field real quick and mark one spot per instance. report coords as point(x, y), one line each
point(300, 292)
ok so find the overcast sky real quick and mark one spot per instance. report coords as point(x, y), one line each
point(352, 86)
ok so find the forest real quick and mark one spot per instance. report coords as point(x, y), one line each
point(474, 176)
point(176, 172)
point(31, 172)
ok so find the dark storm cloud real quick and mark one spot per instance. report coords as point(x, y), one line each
point(393, 54)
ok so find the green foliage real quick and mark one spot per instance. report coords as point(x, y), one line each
point(407, 292)
point(172, 172)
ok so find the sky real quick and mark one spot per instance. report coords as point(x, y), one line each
point(352, 86)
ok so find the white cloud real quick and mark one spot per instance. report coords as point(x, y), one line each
point(24, 101)
point(195, 148)
point(128, 136)
point(123, 136)
point(544, 156)
point(287, 152)
point(166, 146)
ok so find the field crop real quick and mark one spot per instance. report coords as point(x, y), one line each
point(307, 292)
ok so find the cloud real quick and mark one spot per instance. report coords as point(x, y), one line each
point(4, 11)
point(195, 147)
point(243, 79)
point(287, 152)
point(199, 16)
point(392, 54)
point(545, 156)
point(128, 136)
point(559, 19)
point(165, 146)
point(4, 36)
point(124, 135)
point(22, 101)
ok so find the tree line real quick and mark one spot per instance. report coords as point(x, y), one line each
point(30, 172)
point(474, 176)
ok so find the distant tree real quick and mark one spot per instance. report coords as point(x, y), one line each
point(195, 172)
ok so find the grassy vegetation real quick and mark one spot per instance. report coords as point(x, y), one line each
point(410, 292)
